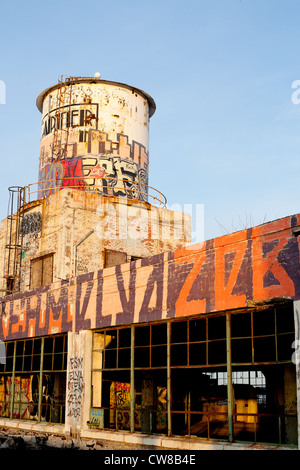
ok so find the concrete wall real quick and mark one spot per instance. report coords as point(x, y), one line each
point(235, 271)
point(62, 224)
point(100, 131)
point(119, 110)
point(78, 382)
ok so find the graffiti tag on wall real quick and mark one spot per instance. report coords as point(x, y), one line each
point(22, 396)
point(120, 399)
point(32, 223)
point(75, 386)
point(94, 143)
point(70, 116)
point(106, 175)
point(224, 273)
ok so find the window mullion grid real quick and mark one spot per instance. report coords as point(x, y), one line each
point(41, 379)
point(13, 382)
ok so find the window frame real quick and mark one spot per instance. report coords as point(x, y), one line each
point(42, 279)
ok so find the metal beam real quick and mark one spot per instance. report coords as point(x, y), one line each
point(229, 378)
point(169, 393)
point(13, 382)
point(132, 389)
point(41, 379)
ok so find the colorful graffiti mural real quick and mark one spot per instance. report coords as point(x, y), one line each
point(120, 399)
point(120, 403)
point(22, 396)
point(119, 158)
point(161, 408)
point(233, 271)
point(25, 395)
point(107, 175)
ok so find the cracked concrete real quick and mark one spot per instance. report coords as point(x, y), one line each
point(22, 440)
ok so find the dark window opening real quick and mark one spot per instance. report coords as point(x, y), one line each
point(20, 376)
point(114, 258)
point(41, 272)
point(135, 258)
point(10, 284)
point(192, 355)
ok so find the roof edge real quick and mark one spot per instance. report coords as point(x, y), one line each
point(152, 105)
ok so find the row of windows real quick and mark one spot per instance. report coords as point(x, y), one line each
point(246, 325)
point(28, 355)
point(41, 269)
point(256, 337)
point(265, 349)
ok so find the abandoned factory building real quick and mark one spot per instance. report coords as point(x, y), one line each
point(112, 324)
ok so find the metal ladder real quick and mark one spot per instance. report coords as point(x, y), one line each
point(14, 239)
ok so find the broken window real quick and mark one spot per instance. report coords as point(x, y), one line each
point(179, 370)
point(41, 272)
point(10, 283)
point(135, 258)
point(27, 363)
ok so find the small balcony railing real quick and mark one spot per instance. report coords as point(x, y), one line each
point(109, 187)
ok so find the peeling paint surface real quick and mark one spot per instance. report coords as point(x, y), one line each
point(94, 130)
point(224, 273)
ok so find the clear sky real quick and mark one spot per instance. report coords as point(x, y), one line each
point(226, 132)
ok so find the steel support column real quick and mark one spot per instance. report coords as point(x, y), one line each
point(41, 380)
point(229, 378)
point(169, 392)
point(132, 389)
point(13, 383)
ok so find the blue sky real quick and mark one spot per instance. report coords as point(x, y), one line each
point(226, 133)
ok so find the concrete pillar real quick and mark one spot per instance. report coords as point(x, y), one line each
point(97, 374)
point(78, 381)
point(290, 404)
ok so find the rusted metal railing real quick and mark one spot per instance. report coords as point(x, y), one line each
point(108, 187)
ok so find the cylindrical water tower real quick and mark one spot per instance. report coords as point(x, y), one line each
point(95, 134)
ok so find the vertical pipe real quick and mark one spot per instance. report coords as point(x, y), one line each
point(189, 412)
point(186, 410)
point(169, 394)
point(75, 249)
point(21, 221)
point(132, 394)
point(279, 429)
point(92, 363)
point(229, 378)
point(9, 244)
point(41, 380)
point(13, 382)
